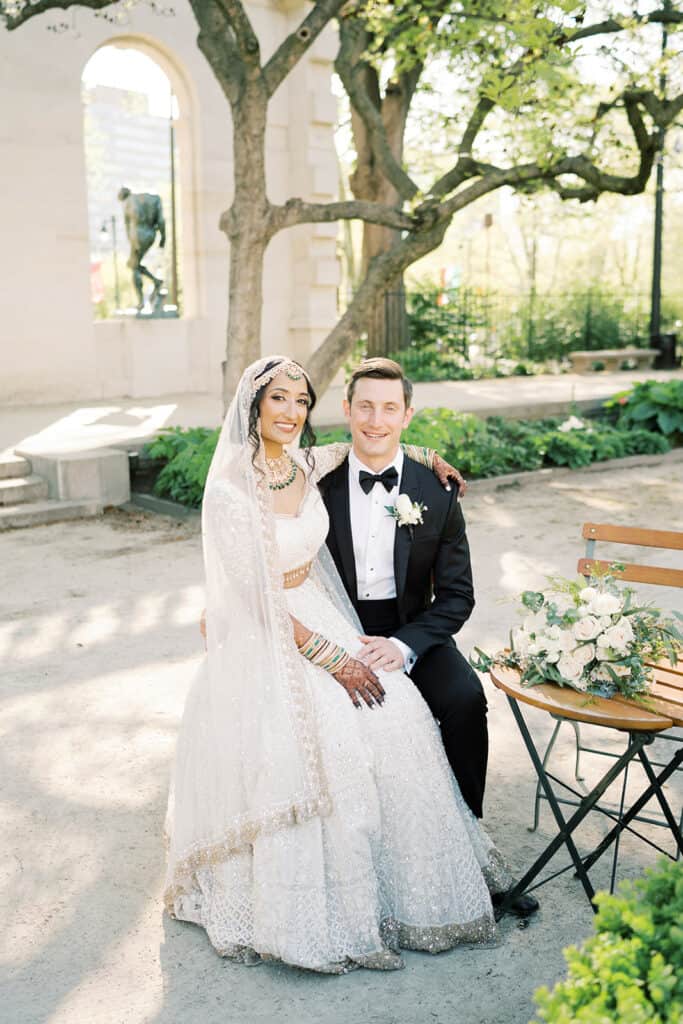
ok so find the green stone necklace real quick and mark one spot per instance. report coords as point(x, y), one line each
point(281, 472)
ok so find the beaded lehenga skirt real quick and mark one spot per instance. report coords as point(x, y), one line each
point(401, 862)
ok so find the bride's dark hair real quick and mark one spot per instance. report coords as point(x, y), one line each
point(307, 433)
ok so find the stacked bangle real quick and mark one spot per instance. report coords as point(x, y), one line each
point(324, 653)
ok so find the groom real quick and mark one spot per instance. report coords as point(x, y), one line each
point(411, 585)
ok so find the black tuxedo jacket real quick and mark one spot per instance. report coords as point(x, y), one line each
point(431, 562)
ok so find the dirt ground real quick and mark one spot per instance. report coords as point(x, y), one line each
point(99, 638)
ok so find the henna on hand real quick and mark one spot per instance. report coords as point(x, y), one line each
point(360, 681)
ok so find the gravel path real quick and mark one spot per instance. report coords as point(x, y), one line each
point(99, 637)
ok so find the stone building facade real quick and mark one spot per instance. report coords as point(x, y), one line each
point(51, 347)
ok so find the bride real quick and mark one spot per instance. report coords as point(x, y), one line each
point(313, 817)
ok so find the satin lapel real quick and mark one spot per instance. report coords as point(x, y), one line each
point(340, 518)
point(410, 485)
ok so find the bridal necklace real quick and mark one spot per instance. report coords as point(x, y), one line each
point(281, 472)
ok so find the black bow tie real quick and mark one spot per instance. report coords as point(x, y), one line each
point(389, 478)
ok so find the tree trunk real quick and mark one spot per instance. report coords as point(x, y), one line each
point(387, 327)
point(389, 266)
point(247, 225)
point(387, 323)
point(247, 250)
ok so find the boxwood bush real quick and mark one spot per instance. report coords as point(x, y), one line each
point(631, 970)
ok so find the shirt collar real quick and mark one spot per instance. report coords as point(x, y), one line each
point(355, 464)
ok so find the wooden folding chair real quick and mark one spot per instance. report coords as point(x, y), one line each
point(669, 685)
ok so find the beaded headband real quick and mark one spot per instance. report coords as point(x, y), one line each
point(286, 366)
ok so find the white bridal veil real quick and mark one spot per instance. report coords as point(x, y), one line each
point(257, 766)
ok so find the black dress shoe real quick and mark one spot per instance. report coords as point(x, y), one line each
point(523, 906)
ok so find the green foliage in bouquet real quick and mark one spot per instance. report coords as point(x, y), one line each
point(631, 970)
point(593, 637)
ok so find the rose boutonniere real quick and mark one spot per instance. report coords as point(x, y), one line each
point(406, 512)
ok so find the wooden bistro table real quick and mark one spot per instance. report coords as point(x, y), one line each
point(664, 711)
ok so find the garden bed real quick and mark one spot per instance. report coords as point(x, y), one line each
point(645, 420)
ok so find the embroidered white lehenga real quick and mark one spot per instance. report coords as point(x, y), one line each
point(301, 828)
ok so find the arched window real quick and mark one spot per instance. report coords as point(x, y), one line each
point(133, 174)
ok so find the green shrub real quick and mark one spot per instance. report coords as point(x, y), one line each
point(631, 970)
point(479, 448)
point(189, 454)
point(484, 448)
point(651, 405)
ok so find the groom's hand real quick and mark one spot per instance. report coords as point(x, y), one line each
point(379, 652)
point(445, 473)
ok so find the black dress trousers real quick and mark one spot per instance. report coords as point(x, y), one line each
point(454, 694)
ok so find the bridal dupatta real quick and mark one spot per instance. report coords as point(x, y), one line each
point(258, 766)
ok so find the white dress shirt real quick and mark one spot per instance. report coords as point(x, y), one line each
point(374, 531)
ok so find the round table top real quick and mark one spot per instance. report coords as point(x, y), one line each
point(661, 712)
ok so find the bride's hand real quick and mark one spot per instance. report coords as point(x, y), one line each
point(445, 472)
point(360, 681)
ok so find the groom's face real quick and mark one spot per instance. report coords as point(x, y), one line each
point(376, 416)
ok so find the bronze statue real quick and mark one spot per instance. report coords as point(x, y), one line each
point(143, 217)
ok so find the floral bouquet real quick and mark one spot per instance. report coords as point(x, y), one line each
point(591, 636)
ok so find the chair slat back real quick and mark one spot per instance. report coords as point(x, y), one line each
point(635, 573)
point(669, 540)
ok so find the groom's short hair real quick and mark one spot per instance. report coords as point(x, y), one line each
point(380, 368)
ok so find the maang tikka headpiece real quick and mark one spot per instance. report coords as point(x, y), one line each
point(286, 366)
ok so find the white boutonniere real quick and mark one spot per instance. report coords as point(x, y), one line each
point(407, 512)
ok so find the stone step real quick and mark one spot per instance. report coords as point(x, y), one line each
point(14, 465)
point(37, 513)
point(17, 490)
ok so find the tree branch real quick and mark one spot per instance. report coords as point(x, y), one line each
point(610, 26)
point(297, 211)
point(216, 41)
point(290, 51)
point(245, 38)
point(350, 66)
point(465, 166)
point(26, 11)
point(662, 112)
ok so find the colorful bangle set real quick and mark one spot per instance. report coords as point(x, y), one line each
point(324, 653)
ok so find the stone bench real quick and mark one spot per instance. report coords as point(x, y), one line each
point(612, 358)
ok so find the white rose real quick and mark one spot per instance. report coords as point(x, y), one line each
point(520, 642)
point(587, 594)
point(618, 636)
point(552, 657)
point(623, 625)
point(404, 505)
point(567, 640)
point(585, 653)
point(570, 667)
point(606, 604)
point(586, 628)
